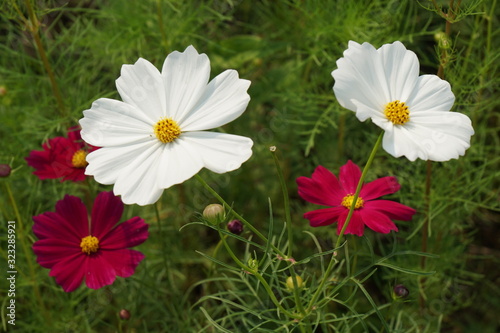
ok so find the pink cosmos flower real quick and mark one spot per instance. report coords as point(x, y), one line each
point(323, 188)
point(61, 157)
point(75, 249)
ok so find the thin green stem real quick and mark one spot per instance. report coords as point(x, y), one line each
point(27, 254)
point(238, 216)
point(168, 271)
point(358, 188)
point(261, 279)
point(286, 201)
point(288, 222)
point(328, 271)
point(425, 227)
point(33, 27)
point(161, 26)
point(321, 286)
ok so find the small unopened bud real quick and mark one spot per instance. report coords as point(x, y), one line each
point(443, 40)
point(3, 91)
point(400, 291)
point(289, 282)
point(235, 226)
point(124, 314)
point(253, 264)
point(214, 213)
point(5, 170)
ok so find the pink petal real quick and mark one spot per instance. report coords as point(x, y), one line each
point(98, 271)
point(394, 210)
point(379, 187)
point(106, 212)
point(124, 262)
point(52, 162)
point(322, 188)
point(52, 225)
point(127, 234)
point(349, 176)
point(378, 222)
point(75, 175)
point(49, 252)
point(69, 272)
point(356, 225)
point(323, 217)
point(74, 212)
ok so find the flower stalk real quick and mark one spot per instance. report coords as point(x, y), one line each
point(288, 223)
point(358, 188)
point(238, 216)
point(33, 26)
point(255, 272)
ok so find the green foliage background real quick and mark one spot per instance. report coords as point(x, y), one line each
point(288, 50)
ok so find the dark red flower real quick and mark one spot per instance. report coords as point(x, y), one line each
point(75, 249)
point(325, 189)
point(61, 157)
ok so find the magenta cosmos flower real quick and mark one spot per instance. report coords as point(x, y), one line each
point(323, 188)
point(75, 249)
point(61, 157)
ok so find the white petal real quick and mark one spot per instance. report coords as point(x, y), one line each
point(141, 85)
point(179, 161)
point(220, 152)
point(401, 70)
point(436, 136)
point(106, 164)
point(114, 123)
point(185, 76)
point(137, 181)
point(224, 100)
point(430, 94)
point(360, 77)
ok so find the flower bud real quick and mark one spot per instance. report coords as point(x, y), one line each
point(289, 283)
point(5, 170)
point(443, 40)
point(235, 226)
point(400, 292)
point(124, 314)
point(214, 213)
point(253, 264)
point(3, 91)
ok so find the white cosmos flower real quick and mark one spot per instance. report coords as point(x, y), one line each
point(157, 136)
point(413, 110)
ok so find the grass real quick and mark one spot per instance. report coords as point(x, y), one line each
point(288, 50)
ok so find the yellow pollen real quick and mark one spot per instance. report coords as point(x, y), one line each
point(89, 244)
point(347, 202)
point(167, 130)
point(78, 160)
point(397, 112)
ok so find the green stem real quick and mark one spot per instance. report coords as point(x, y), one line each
point(358, 188)
point(286, 201)
point(261, 279)
point(328, 271)
point(168, 271)
point(33, 27)
point(288, 223)
point(27, 254)
point(238, 216)
point(321, 286)
point(161, 26)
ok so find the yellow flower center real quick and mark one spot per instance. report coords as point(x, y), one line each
point(89, 244)
point(397, 112)
point(167, 130)
point(347, 202)
point(78, 160)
